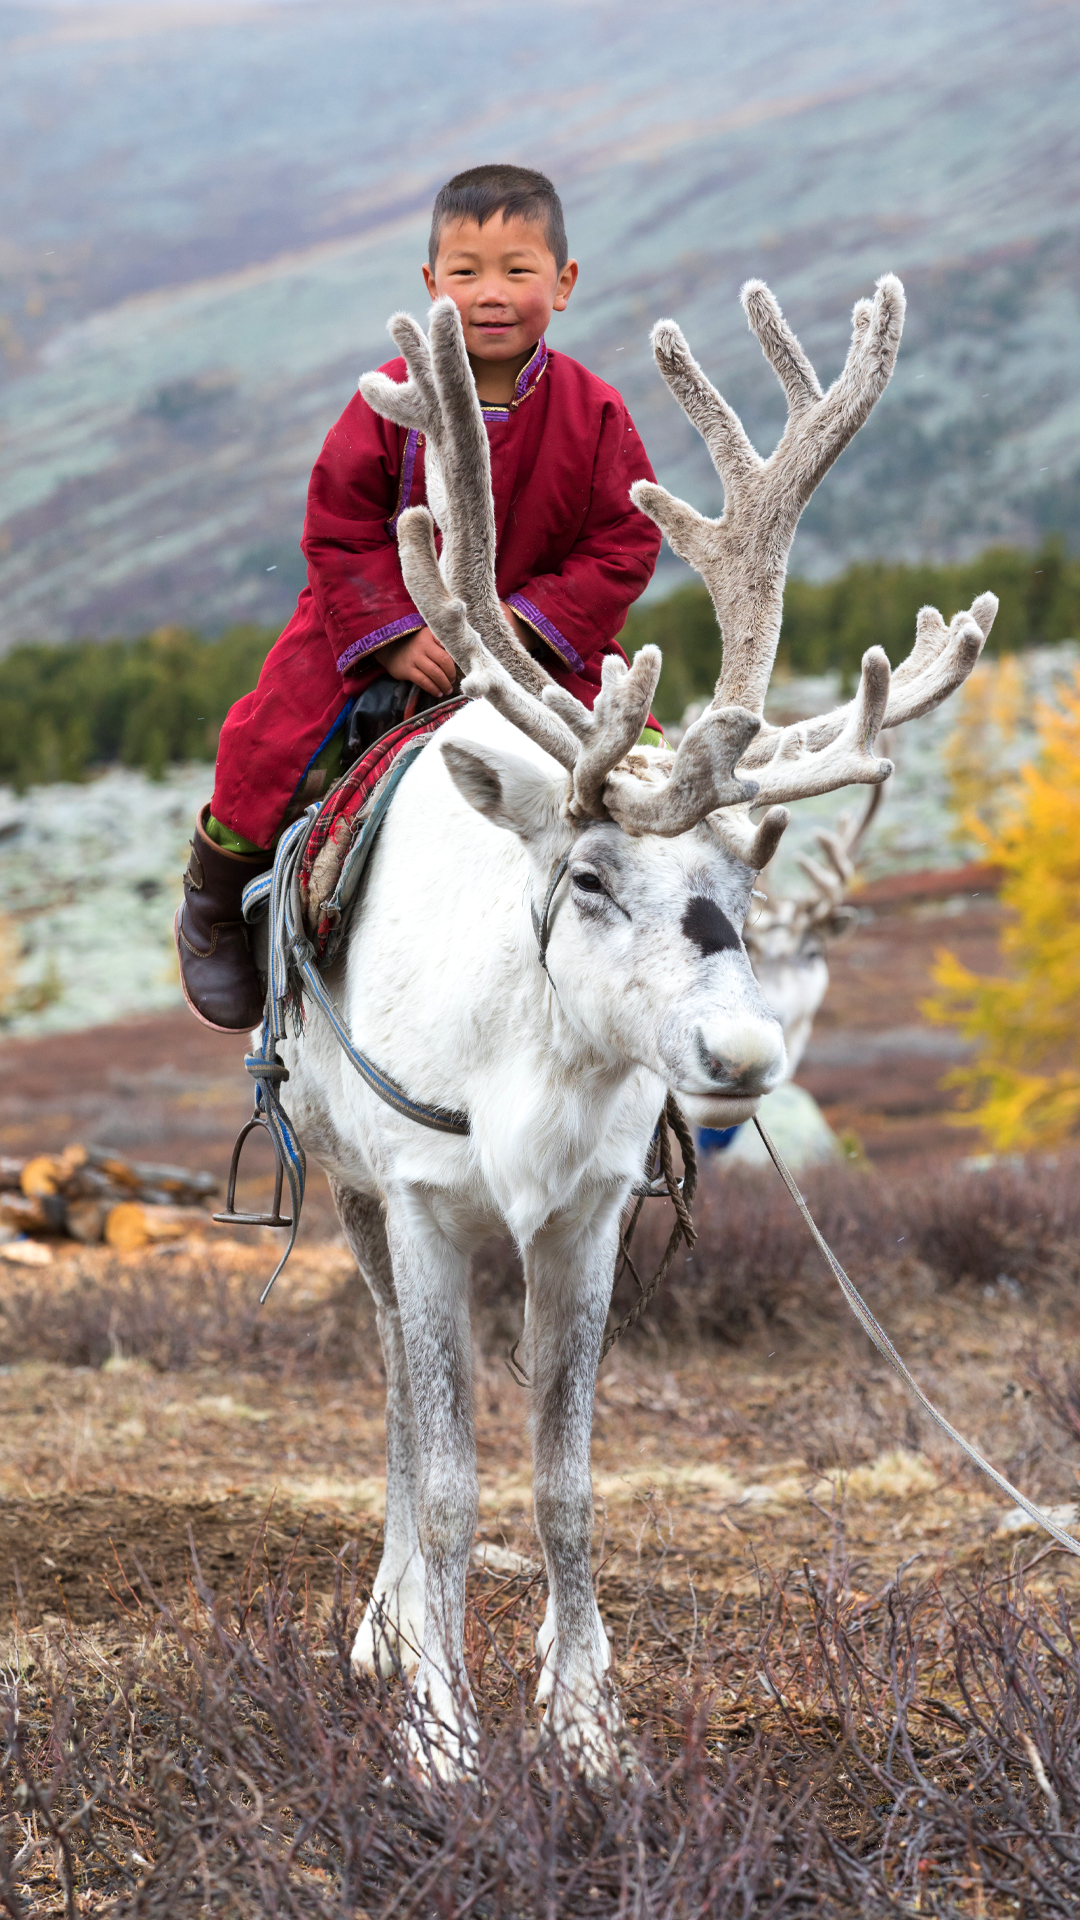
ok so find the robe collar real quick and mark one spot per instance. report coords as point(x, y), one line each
point(527, 381)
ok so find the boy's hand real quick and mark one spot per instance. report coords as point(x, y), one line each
point(421, 659)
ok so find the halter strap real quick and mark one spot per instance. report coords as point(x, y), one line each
point(543, 930)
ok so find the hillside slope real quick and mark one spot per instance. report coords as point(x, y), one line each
point(211, 212)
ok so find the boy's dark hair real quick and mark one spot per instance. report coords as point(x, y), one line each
point(515, 192)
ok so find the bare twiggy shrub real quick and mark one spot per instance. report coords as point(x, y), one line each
point(183, 1311)
point(754, 1268)
point(1014, 1224)
point(829, 1753)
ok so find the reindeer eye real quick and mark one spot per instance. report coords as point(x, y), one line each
point(588, 882)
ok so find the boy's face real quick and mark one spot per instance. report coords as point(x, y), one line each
point(504, 282)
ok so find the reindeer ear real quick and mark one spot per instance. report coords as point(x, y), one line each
point(508, 791)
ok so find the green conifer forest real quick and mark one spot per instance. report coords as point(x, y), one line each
point(67, 709)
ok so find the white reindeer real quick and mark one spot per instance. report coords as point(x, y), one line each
point(647, 987)
point(788, 938)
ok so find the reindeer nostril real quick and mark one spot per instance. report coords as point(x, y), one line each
point(743, 1073)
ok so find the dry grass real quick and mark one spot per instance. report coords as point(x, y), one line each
point(1015, 1225)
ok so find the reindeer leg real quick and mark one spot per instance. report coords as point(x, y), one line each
point(390, 1632)
point(570, 1278)
point(431, 1280)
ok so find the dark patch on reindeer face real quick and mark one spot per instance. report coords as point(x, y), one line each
point(708, 928)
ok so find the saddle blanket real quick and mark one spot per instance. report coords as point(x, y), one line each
point(344, 829)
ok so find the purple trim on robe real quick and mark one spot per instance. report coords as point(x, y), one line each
point(545, 629)
point(526, 384)
point(405, 490)
point(397, 629)
point(530, 374)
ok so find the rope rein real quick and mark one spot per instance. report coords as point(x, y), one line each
point(681, 1194)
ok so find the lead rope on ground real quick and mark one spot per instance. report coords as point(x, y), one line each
point(888, 1352)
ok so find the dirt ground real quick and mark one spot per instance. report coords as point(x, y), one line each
point(108, 1470)
point(720, 1463)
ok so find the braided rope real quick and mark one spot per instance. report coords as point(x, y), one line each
point(681, 1194)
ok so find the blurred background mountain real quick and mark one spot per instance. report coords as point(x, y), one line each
point(210, 210)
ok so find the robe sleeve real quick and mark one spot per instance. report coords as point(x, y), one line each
point(579, 609)
point(353, 567)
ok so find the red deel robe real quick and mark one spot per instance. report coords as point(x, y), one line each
point(573, 553)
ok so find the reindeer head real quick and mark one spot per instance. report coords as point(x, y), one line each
point(646, 949)
point(788, 938)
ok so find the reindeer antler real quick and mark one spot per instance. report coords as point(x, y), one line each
point(781, 925)
point(742, 556)
point(730, 759)
point(457, 608)
point(831, 878)
point(439, 400)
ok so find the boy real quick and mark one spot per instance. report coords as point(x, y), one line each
point(573, 553)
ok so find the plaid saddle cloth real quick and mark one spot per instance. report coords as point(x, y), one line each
point(344, 829)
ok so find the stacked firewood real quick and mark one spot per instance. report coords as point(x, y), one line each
point(93, 1194)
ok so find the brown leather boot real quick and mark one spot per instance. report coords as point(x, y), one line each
point(218, 975)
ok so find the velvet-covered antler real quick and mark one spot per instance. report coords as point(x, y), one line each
point(786, 919)
point(730, 759)
point(455, 600)
point(742, 556)
point(439, 400)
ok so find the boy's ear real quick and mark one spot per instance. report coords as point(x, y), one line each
point(508, 791)
point(566, 283)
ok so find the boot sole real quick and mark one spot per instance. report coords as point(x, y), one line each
point(201, 1017)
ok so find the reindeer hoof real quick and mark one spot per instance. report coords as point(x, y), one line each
point(388, 1639)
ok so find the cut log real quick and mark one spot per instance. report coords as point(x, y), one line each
point(134, 1224)
point(177, 1186)
point(27, 1253)
point(120, 1174)
point(32, 1212)
point(85, 1220)
point(40, 1175)
point(10, 1174)
point(52, 1172)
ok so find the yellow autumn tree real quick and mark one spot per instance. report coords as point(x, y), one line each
point(989, 712)
point(1023, 1084)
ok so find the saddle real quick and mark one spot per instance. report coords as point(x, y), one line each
point(343, 831)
